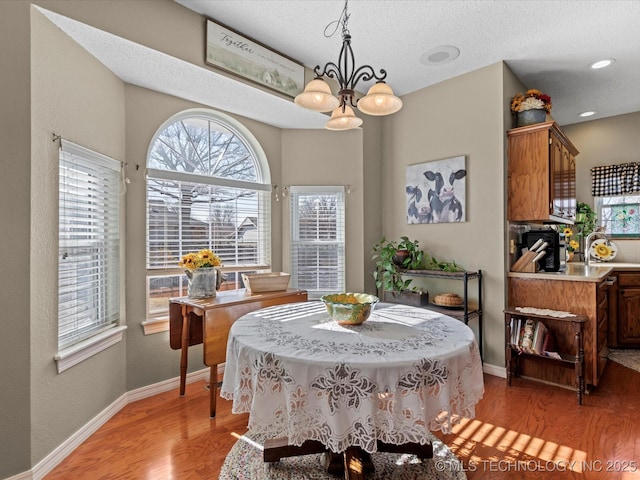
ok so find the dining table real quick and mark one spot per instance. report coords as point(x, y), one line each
point(310, 384)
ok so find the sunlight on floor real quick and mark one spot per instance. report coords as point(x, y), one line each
point(248, 440)
point(516, 446)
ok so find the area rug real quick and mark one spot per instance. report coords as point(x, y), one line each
point(244, 462)
point(630, 358)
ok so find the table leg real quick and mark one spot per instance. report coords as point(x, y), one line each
point(354, 464)
point(213, 388)
point(184, 353)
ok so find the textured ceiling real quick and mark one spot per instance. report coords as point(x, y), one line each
point(547, 44)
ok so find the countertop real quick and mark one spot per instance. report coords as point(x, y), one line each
point(579, 272)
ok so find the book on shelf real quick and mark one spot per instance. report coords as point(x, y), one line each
point(529, 335)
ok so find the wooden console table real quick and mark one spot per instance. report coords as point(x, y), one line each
point(574, 360)
point(208, 320)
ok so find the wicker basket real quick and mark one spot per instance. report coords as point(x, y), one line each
point(265, 282)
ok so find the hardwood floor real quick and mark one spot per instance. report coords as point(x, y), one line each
point(528, 430)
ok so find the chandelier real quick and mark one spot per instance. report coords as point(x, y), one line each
point(379, 100)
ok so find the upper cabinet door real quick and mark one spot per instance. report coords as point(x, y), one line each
point(541, 175)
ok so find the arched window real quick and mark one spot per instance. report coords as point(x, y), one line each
point(208, 186)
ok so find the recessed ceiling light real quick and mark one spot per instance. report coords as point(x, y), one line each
point(440, 55)
point(587, 114)
point(602, 63)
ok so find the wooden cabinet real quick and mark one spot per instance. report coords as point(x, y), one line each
point(588, 298)
point(628, 321)
point(541, 181)
point(602, 320)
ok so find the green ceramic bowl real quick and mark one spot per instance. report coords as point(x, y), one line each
point(350, 308)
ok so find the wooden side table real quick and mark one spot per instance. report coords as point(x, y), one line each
point(576, 361)
point(208, 320)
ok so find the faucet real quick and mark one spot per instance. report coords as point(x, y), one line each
point(587, 243)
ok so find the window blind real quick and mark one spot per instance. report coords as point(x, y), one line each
point(88, 242)
point(318, 239)
point(185, 217)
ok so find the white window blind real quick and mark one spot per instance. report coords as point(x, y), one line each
point(185, 217)
point(318, 239)
point(89, 244)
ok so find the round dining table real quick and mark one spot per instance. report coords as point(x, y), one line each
point(402, 373)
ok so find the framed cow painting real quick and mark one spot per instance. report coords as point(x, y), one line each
point(436, 190)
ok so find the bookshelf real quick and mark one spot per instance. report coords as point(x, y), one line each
point(573, 359)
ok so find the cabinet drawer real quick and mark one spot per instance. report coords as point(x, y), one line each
point(629, 279)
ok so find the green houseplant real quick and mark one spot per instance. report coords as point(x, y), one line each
point(390, 258)
point(586, 216)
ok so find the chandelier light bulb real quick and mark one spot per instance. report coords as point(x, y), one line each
point(317, 96)
point(343, 120)
point(379, 100)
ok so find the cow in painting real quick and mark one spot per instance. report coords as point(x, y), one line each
point(439, 204)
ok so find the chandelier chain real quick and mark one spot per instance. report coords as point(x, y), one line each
point(343, 20)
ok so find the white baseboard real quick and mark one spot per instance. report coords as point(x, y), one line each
point(165, 386)
point(495, 370)
point(62, 451)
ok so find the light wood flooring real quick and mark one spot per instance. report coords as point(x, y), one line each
point(529, 430)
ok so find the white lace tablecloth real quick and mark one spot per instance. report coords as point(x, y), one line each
point(403, 372)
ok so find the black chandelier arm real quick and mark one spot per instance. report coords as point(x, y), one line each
point(366, 73)
point(331, 70)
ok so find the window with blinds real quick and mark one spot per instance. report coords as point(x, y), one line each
point(205, 189)
point(317, 239)
point(89, 244)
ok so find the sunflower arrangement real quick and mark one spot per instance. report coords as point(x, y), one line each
point(532, 99)
point(572, 244)
point(205, 258)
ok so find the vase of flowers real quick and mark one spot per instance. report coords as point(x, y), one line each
point(202, 275)
point(531, 107)
point(571, 244)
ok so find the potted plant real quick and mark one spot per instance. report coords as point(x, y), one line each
point(531, 107)
point(571, 244)
point(391, 259)
point(203, 276)
point(586, 216)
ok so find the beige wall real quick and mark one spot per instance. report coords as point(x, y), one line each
point(15, 192)
point(325, 158)
point(463, 116)
point(608, 141)
point(75, 96)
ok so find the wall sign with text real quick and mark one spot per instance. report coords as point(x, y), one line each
point(242, 56)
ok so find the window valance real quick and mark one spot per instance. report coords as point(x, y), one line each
point(620, 179)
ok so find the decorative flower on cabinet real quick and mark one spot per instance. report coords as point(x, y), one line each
point(532, 99)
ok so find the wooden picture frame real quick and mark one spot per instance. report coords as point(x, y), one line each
point(244, 57)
